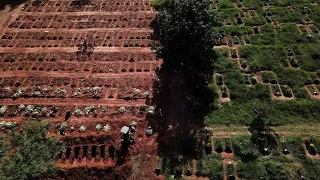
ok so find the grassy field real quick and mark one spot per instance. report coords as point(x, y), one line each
point(268, 57)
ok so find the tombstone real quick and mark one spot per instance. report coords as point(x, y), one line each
point(265, 151)
point(228, 149)
point(189, 173)
point(284, 148)
point(178, 173)
point(231, 177)
point(158, 171)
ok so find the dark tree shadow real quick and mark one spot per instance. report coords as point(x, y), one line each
point(13, 3)
point(182, 100)
point(262, 135)
point(77, 4)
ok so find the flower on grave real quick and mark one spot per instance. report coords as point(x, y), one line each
point(8, 89)
point(86, 90)
point(37, 88)
point(36, 93)
point(122, 109)
point(21, 107)
point(47, 89)
point(78, 112)
point(7, 125)
point(96, 90)
point(20, 92)
point(78, 92)
point(62, 92)
point(29, 109)
point(136, 92)
point(88, 109)
point(82, 129)
point(145, 94)
point(98, 127)
point(3, 109)
point(106, 128)
point(133, 124)
point(63, 126)
point(151, 110)
point(104, 109)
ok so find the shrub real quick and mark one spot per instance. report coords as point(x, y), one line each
point(225, 4)
point(33, 153)
point(252, 4)
point(244, 148)
point(159, 4)
point(300, 92)
point(3, 148)
point(263, 58)
point(267, 28)
point(210, 166)
point(251, 170)
point(218, 145)
point(293, 77)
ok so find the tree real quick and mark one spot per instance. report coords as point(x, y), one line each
point(185, 35)
point(33, 153)
point(262, 134)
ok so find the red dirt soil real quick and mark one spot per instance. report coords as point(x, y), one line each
point(40, 51)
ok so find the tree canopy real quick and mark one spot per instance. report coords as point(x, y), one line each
point(262, 134)
point(28, 155)
point(185, 35)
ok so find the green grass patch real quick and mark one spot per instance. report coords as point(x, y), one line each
point(210, 166)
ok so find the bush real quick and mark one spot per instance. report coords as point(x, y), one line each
point(3, 148)
point(281, 112)
point(218, 145)
point(225, 4)
point(293, 77)
point(244, 148)
point(308, 56)
point(263, 169)
point(223, 65)
point(289, 28)
point(252, 4)
point(33, 155)
point(267, 28)
point(159, 4)
point(211, 167)
point(263, 58)
point(235, 81)
point(251, 170)
point(300, 92)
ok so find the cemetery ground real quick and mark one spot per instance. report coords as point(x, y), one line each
point(268, 56)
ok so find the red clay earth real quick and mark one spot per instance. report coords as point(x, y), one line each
point(43, 76)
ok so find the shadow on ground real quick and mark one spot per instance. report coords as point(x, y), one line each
point(182, 101)
point(12, 3)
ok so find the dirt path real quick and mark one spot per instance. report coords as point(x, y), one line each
point(73, 101)
point(71, 75)
point(88, 13)
point(35, 30)
point(74, 49)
